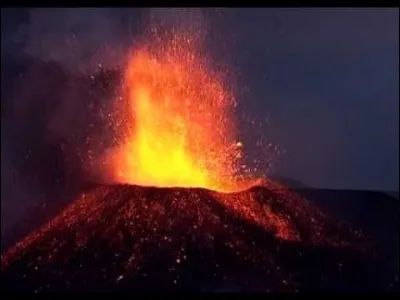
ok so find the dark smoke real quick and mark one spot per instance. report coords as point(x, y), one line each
point(59, 73)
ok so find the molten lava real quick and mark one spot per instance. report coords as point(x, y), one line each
point(179, 127)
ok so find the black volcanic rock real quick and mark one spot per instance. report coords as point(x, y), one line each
point(128, 238)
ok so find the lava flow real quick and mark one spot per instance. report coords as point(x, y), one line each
point(180, 130)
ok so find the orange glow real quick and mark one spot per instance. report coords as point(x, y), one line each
point(179, 127)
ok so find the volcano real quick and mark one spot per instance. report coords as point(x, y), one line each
point(133, 238)
point(181, 210)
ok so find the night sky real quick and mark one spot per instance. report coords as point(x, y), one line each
point(326, 79)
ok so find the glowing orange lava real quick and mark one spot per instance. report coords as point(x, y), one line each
point(180, 130)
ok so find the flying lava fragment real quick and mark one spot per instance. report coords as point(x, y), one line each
point(179, 125)
point(181, 215)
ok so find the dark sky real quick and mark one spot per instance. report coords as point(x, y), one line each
point(328, 79)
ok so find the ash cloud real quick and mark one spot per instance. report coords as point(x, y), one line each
point(58, 77)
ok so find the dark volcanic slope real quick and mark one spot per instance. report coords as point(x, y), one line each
point(127, 238)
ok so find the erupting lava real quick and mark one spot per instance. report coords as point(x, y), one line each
point(179, 130)
point(179, 134)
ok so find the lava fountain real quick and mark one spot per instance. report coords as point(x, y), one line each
point(179, 127)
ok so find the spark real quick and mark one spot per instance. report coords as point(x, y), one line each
point(180, 146)
point(179, 119)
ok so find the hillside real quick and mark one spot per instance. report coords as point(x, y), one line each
point(129, 238)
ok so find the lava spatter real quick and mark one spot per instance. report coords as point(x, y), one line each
point(180, 129)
